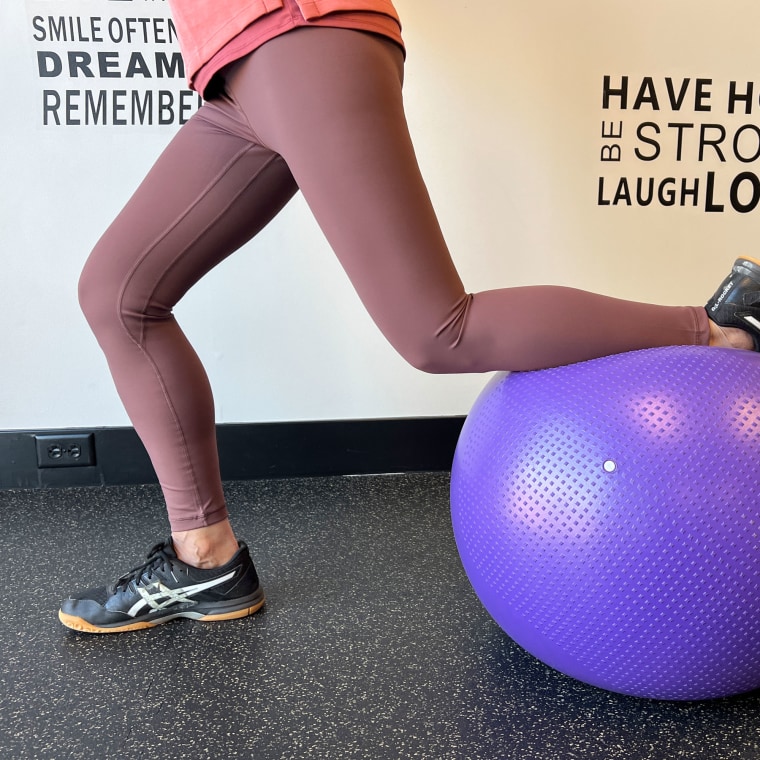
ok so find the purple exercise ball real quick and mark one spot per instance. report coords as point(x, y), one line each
point(607, 514)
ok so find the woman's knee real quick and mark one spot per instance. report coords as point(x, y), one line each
point(100, 292)
point(91, 292)
point(431, 354)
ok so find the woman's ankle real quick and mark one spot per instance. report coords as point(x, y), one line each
point(730, 337)
point(207, 547)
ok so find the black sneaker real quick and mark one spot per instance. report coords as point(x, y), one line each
point(164, 588)
point(736, 303)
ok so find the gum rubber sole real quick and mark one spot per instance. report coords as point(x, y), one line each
point(79, 624)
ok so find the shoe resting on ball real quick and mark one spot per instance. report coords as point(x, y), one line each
point(736, 303)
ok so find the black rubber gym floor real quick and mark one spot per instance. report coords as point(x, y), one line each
point(371, 645)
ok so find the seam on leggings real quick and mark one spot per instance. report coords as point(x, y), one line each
point(139, 343)
point(701, 326)
point(235, 102)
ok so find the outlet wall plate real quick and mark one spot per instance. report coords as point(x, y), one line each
point(65, 450)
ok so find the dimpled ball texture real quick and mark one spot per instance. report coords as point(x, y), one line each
point(607, 514)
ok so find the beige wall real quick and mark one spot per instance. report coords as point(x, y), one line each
point(505, 101)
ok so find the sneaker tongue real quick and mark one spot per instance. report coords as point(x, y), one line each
point(157, 554)
point(164, 547)
point(167, 548)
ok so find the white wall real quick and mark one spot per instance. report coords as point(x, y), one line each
point(505, 103)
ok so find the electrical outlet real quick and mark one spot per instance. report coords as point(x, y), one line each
point(69, 450)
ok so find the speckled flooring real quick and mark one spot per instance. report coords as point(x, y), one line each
point(372, 644)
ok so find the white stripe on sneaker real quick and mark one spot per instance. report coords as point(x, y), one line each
point(158, 597)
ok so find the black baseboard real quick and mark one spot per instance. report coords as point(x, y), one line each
point(247, 452)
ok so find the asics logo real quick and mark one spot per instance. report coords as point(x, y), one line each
point(157, 596)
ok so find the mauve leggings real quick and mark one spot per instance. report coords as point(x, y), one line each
point(318, 110)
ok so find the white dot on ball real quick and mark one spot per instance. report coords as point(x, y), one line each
point(610, 466)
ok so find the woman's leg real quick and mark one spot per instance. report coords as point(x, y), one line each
point(210, 191)
point(329, 101)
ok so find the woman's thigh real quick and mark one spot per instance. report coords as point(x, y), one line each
point(329, 101)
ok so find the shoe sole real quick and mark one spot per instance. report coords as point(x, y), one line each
point(79, 624)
